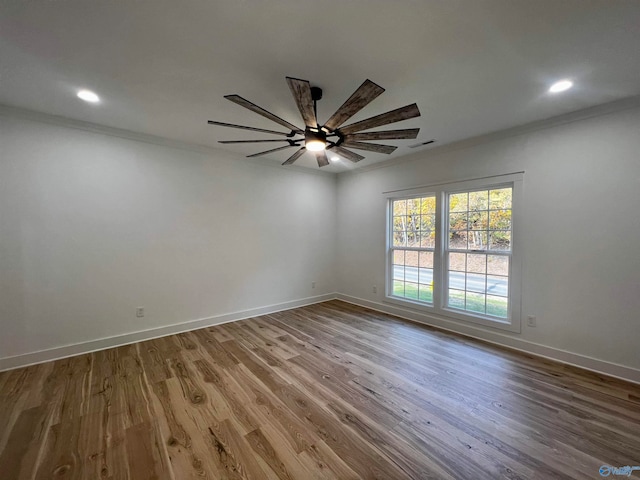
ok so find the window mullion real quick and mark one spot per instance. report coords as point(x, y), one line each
point(439, 256)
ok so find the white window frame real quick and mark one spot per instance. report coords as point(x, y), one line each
point(440, 263)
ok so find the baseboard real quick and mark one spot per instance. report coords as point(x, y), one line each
point(26, 359)
point(582, 361)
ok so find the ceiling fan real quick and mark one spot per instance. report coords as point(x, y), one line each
point(332, 136)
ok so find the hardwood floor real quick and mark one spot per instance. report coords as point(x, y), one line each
point(329, 391)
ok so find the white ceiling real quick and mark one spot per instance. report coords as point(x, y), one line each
point(162, 67)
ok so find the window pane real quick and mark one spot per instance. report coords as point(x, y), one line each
point(428, 205)
point(498, 285)
point(399, 239)
point(411, 290)
point(497, 306)
point(458, 221)
point(497, 265)
point(425, 293)
point(476, 263)
point(475, 302)
point(479, 200)
point(477, 240)
point(413, 239)
point(458, 261)
point(458, 202)
point(413, 222)
point(398, 272)
point(426, 260)
point(457, 280)
point(428, 223)
point(411, 258)
point(398, 288)
point(398, 257)
point(428, 240)
point(476, 283)
point(500, 220)
point(425, 275)
point(411, 274)
point(399, 207)
point(479, 220)
point(500, 240)
point(399, 223)
point(413, 206)
point(458, 239)
point(500, 198)
point(456, 298)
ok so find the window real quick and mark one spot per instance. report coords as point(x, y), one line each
point(413, 246)
point(468, 271)
point(478, 251)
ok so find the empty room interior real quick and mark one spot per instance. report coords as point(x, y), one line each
point(319, 240)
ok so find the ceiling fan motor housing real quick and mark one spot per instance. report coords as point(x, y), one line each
point(311, 134)
point(316, 94)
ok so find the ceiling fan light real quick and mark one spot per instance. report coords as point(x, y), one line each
point(315, 140)
point(315, 145)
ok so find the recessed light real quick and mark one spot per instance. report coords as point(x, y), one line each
point(335, 159)
point(561, 86)
point(88, 96)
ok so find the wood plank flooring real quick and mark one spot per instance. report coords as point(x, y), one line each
point(329, 391)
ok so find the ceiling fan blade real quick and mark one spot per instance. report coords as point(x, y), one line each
point(364, 95)
point(261, 111)
point(253, 141)
point(321, 156)
point(294, 157)
point(397, 115)
point(270, 151)
point(301, 91)
point(253, 129)
point(372, 147)
point(386, 135)
point(348, 154)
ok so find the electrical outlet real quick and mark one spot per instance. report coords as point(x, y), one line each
point(374, 289)
point(313, 284)
point(531, 321)
point(140, 312)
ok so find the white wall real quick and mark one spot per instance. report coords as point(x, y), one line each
point(92, 226)
point(581, 240)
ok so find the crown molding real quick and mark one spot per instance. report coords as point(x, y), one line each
point(57, 120)
point(627, 103)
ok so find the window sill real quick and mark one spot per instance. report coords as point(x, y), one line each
point(511, 326)
point(407, 302)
